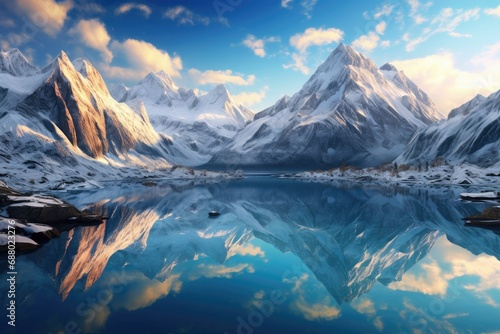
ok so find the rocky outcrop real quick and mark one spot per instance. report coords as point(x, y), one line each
point(35, 219)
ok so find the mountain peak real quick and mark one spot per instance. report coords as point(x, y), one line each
point(160, 78)
point(345, 55)
point(388, 67)
point(220, 90)
point(15, 63)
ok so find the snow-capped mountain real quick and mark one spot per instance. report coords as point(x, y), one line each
point(63, 117)
point(200, 124)
point(349, 111)
point(15, 63)
point(470, 134)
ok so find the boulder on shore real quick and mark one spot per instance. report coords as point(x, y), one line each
point(36, 218)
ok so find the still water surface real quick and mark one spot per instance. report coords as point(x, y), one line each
point(283, 257)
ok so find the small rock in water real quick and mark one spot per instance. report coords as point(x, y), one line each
point(214, 214)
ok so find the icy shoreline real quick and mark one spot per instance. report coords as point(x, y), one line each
point(464, 175)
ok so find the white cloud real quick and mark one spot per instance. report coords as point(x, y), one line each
point(385, 44)
point(414, 5)
point(93, 34)
point(298, 63)
point(419, 19)
point(220, 77)
point(313, 36)
point(366, 42)
point(450, 86)
point(286, 3)
point(48, 15)
point(317, 311)
point(185, 16)
point(458, 35)
point(431, 281)
point(380, 28)
point(412, 43)
point(257, 45)
point(143, 57)
point(127, 7)
point(378, 324)
point(493, 11)
point(364, 306)
point(446, 21)
point(385, 10)
point(249, 99)
point(211, 271)
point(370, 41)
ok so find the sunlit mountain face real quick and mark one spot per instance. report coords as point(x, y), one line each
point(307, 256)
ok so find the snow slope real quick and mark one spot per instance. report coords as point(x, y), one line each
point(470, 134)
point(349, 111)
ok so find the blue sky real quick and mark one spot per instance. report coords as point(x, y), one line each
point(263, 49)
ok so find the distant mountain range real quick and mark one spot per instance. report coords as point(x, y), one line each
point(200, 124)
point(63, 119)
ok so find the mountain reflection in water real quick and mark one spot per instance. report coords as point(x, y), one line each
point(337, 259)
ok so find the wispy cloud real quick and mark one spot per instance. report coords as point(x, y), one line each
point(127, 7)
point(90, 7)
point(49, 15)
point(286, 3)
point(370, 41)
point(93, 34)
point(385, 10)
point(493, 11)
point(311, 37)
point(257, 45)
point(185, 16)
point(211, 77)
point(308, 6)
point(446, 21)
point(250, 99)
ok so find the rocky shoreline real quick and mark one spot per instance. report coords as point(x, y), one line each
point(35, 219)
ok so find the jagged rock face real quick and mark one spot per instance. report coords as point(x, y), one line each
point(78, 103)
point(349, 111)
point(199, 125)
point(470, 134)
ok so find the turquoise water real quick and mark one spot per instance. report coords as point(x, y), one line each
point(283, 257)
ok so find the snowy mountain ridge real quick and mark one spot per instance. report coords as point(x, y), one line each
point(201, 124)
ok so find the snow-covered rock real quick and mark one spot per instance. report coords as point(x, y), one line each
point(349, 111)
point(471, 134)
